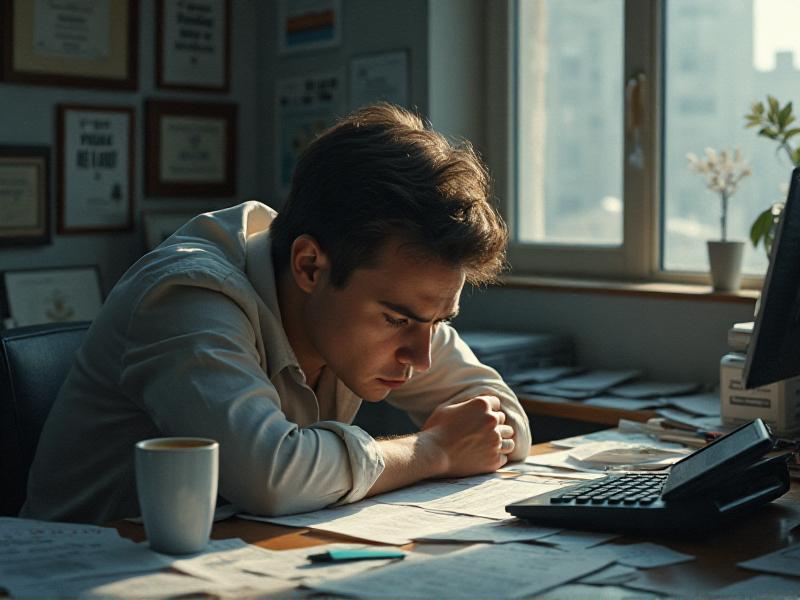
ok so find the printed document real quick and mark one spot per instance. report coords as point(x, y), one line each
point(391, 524)
point(480, 571)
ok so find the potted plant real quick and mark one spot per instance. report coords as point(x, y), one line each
point(723, 171)
point(774, 122)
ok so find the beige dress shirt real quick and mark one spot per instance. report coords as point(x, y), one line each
point(190, 343)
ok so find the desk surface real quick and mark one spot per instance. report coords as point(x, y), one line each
point(772, 527)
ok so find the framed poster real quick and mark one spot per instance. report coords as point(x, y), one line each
point(24, 195)
point(158, 225)
point(191, 149)
point(305, 107)
point(52, 295)
point(309, 25)
point(193, 45)
point(91, 43)
point(375, 77)
point(95, 170)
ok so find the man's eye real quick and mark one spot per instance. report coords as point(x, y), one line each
point(395, 322)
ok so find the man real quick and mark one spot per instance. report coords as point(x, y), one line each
point(266, 332)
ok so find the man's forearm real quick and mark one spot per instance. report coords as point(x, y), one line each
point(408, 459)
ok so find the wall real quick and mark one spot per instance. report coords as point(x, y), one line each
point(368, 26)
point(28, 118)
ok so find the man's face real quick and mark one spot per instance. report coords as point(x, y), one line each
point(376, 331)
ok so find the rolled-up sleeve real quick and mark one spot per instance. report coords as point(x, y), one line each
point(456, 375)
point(193, 366)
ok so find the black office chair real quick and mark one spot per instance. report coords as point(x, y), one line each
point(34, 361)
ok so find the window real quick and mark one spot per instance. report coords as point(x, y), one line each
point(606, 98)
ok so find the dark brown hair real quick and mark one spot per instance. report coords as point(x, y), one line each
point(381, 173)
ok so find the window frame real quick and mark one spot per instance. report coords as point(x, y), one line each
point(639, 256)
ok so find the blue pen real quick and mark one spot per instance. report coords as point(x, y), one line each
point(362, 554)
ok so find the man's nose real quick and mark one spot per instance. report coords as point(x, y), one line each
point(416, 351)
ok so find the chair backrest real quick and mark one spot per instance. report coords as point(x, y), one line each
point(34, 361)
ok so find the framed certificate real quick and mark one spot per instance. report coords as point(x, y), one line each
point(382, 76)
point(193, 45)
point(90, 43)
point(191, 149)
point(160, 224)
point(95, 168)
point(52, 295)
point(24, 195)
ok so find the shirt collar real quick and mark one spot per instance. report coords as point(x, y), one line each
point(261, 274)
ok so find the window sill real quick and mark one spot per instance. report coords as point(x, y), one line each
point(653, 289)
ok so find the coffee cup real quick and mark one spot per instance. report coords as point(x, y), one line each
point(176, 481)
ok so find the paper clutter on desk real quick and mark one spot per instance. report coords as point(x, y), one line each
point(624, 453)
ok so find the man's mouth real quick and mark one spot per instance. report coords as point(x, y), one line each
point(392, 383)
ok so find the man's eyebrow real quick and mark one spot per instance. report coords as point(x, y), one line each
point(407, 312)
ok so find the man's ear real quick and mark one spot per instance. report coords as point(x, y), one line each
point(307, 262)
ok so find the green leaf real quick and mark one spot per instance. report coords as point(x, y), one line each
point(761, 227)
point(768, 132)
point(791, 133)
point(796, 157)
point(784, 114)
point(774, 105)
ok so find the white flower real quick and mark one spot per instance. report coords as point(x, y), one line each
point(723, 170)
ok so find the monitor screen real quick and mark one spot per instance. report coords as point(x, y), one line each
point(774, 350)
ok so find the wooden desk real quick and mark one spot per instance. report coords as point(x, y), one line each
point(772, 527)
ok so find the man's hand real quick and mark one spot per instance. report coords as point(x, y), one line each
point(465, 438)
point(471, 436)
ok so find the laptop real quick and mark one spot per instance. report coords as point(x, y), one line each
point(725, 479)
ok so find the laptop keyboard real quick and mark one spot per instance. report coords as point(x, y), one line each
point(632, 489)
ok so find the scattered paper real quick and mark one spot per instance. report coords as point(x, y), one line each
point(479, 571)
point(221, 564)
point(392, 524)
point(542, 375)
point(623, 453)
point(646, 555)
point(487, 499)
point(602, 457)
point(12, 529)
point(704, 405)
point(625, 403)
point(615, 435)
point(596, 381)
point(268, 570)
point(26, 562)
point(652, 389)
point(578, 540)
point(552, 391)
point(759, 586)
point(496, 532)
point(613, 575)
point(701, 423)
point(785, 561)
point(154, 585)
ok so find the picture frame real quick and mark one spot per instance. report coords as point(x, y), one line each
point(309, 25)
point(95, 168)
point(158, 225)
point(193, 45)
point(88, 44)
point(379, 76)
point(191, 149)
point(52, 295)
point(24, 195)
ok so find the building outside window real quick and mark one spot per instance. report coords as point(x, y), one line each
point(609, 96)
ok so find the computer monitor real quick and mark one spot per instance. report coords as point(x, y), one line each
point(774, 350)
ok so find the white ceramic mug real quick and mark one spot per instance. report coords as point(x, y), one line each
point(176, 480)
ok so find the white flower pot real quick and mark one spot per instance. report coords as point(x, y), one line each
point(725, 260)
